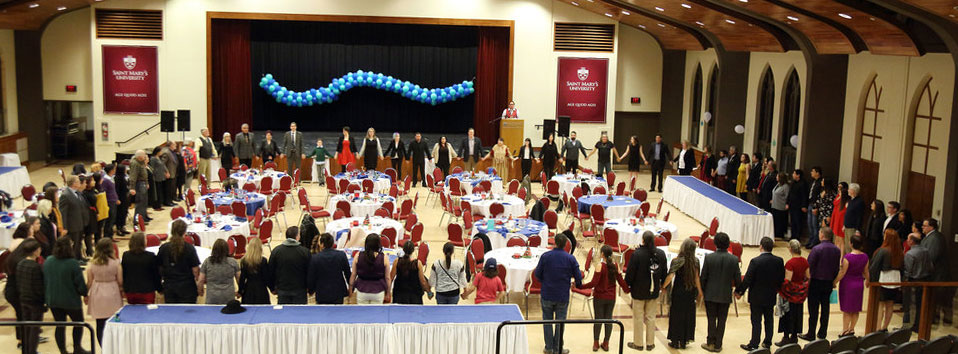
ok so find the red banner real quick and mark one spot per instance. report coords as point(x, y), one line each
point(130, 80)
point(582, 88)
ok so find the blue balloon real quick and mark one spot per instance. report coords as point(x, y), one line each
point(285, 99)
point(349, 85)
point(471, 90)
point(341, 81)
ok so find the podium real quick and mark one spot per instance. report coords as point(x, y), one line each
point(512, 131)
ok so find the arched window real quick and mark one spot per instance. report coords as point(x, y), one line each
point(870, 141)
point(925, 147)
point(696, 106)
point(791, 115)
point(766, 109)
point(713, 92)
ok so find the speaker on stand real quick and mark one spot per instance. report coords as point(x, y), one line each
point(563, 123)
point(183, 122)
point(166, 123)
point(548, 128)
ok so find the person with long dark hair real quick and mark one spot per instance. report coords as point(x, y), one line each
point(30, 287)
point(851, 280)
point(874, 229)
point(741, 183)
point(253, 282)
point(328, 272)
point(839, 207)
point(369, 274)
point(409, 280)
point(28, 229)
point(905, 221)
point(686, 289)
point(141, 273)
point(444, 155)
point(636, 157)
point(779, 204)
point(346, 149)
point(105, 281)
point(448, 277)
point(179, 266)
point(885, 266)
point(526, 155)
point(603, 282)
point(269, 149)
point(217, 273)
point(11, 292)
point(549, 154)
point(644, 274)
point(65, 287)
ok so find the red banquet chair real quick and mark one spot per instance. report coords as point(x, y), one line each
point(640, 194)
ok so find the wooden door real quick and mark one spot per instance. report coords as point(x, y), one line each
point(921, 195)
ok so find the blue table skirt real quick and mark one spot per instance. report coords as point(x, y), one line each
point(5, 169)
point(532, 228)
point(363, 176)
point(255, 201)
point(338, 314)
point(585, 202)
point(729, 201)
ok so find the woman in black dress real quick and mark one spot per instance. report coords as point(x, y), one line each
point(253, 283)
point(549, 154)
point(525, 156)
point(123, 195)
point(269, 149)
point(226, 152)
point(443, 153)
point(633, 151)
point(686, 288)
point(409, 282)
point(371, 150)
point(875, 228)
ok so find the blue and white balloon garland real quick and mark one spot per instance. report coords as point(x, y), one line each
point(332, 91)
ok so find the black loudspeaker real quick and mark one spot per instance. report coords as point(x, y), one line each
point(563, 128)
point(183, 120)
point(166, 122)
point(548, 128)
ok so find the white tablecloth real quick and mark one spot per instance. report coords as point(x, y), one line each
point(10, 160)
point(14, 178)
point(215, 165)
point(467, 181)
point(618, 208)
point(256, 177)
point(209, 235)
point(7, 228)
point(499, 240)
point(517, 270)
point(632, 235)
point(381, 182)
point(747, 228)
point(700, 254)
point(512, 205)
point(567, 182)
point(396, 334)
point(362, 207)
point(201, 252)
point(339, 229)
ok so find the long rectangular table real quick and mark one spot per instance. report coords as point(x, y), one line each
point(390, 329)
point(12, 179)
point(742, 221)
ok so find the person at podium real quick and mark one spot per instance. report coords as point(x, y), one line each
point(510, 111)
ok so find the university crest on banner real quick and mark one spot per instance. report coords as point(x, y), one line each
point(130, 82)
point(582, 89)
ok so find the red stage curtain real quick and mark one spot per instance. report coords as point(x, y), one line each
point(230, 85)
point(492, 81)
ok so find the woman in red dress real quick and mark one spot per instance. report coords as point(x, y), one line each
point(345, 148)
point(837, 222)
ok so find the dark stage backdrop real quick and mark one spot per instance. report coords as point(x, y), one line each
point(304, 55)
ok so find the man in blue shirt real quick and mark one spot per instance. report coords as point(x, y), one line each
point(823, 266)
point(555, 270)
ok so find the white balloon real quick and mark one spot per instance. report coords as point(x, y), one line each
point(740, 129)
point(707, 117)
point(794, 141)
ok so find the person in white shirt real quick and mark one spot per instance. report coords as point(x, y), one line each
point(510, 111)
point(685, 160)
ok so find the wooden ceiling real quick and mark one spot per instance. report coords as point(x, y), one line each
point(33, 15)
point(736, 32)
point(668, 35)
point(825, 38)
point(880, 36)
point(944, 8)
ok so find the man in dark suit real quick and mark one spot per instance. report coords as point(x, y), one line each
point(766, 186)
point(658, 154)
point(470, 150)
point(720, 273)
point(764, 276)
point(734, 161)
point(754, 177)
point(245, 146)
point(293, 149)
point(937, 248)
point(891, 216)
point(328, 273)
point(797, 204)
point(814, 193)
point(418, 152)
point(73, 211)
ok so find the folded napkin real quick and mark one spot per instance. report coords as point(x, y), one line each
point(226, 228)
point(5, 218)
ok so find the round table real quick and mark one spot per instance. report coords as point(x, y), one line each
point(201, 252)
point(253, 201)
point(362, 204)
point(256, 176)
point(512, 205)
point(700, 254)
point(568, 181)
point(632, 235)
point(391, 253)
point(469, 181)
point(7, 228)
point(506, 229)
point(517, 270)
point(617, 208)
point(381, 181)
point(340, 228)
point(224, 226)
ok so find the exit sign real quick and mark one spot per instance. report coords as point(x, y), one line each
point(72, 88)
point(636, 100)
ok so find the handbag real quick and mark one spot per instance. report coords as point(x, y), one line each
point(781, 306)
point(890, 276)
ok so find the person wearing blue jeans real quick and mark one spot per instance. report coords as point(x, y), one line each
point(448, 277)
point(814, 193)
point(556, 270)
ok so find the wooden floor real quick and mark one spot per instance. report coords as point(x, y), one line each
point(578, 338)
